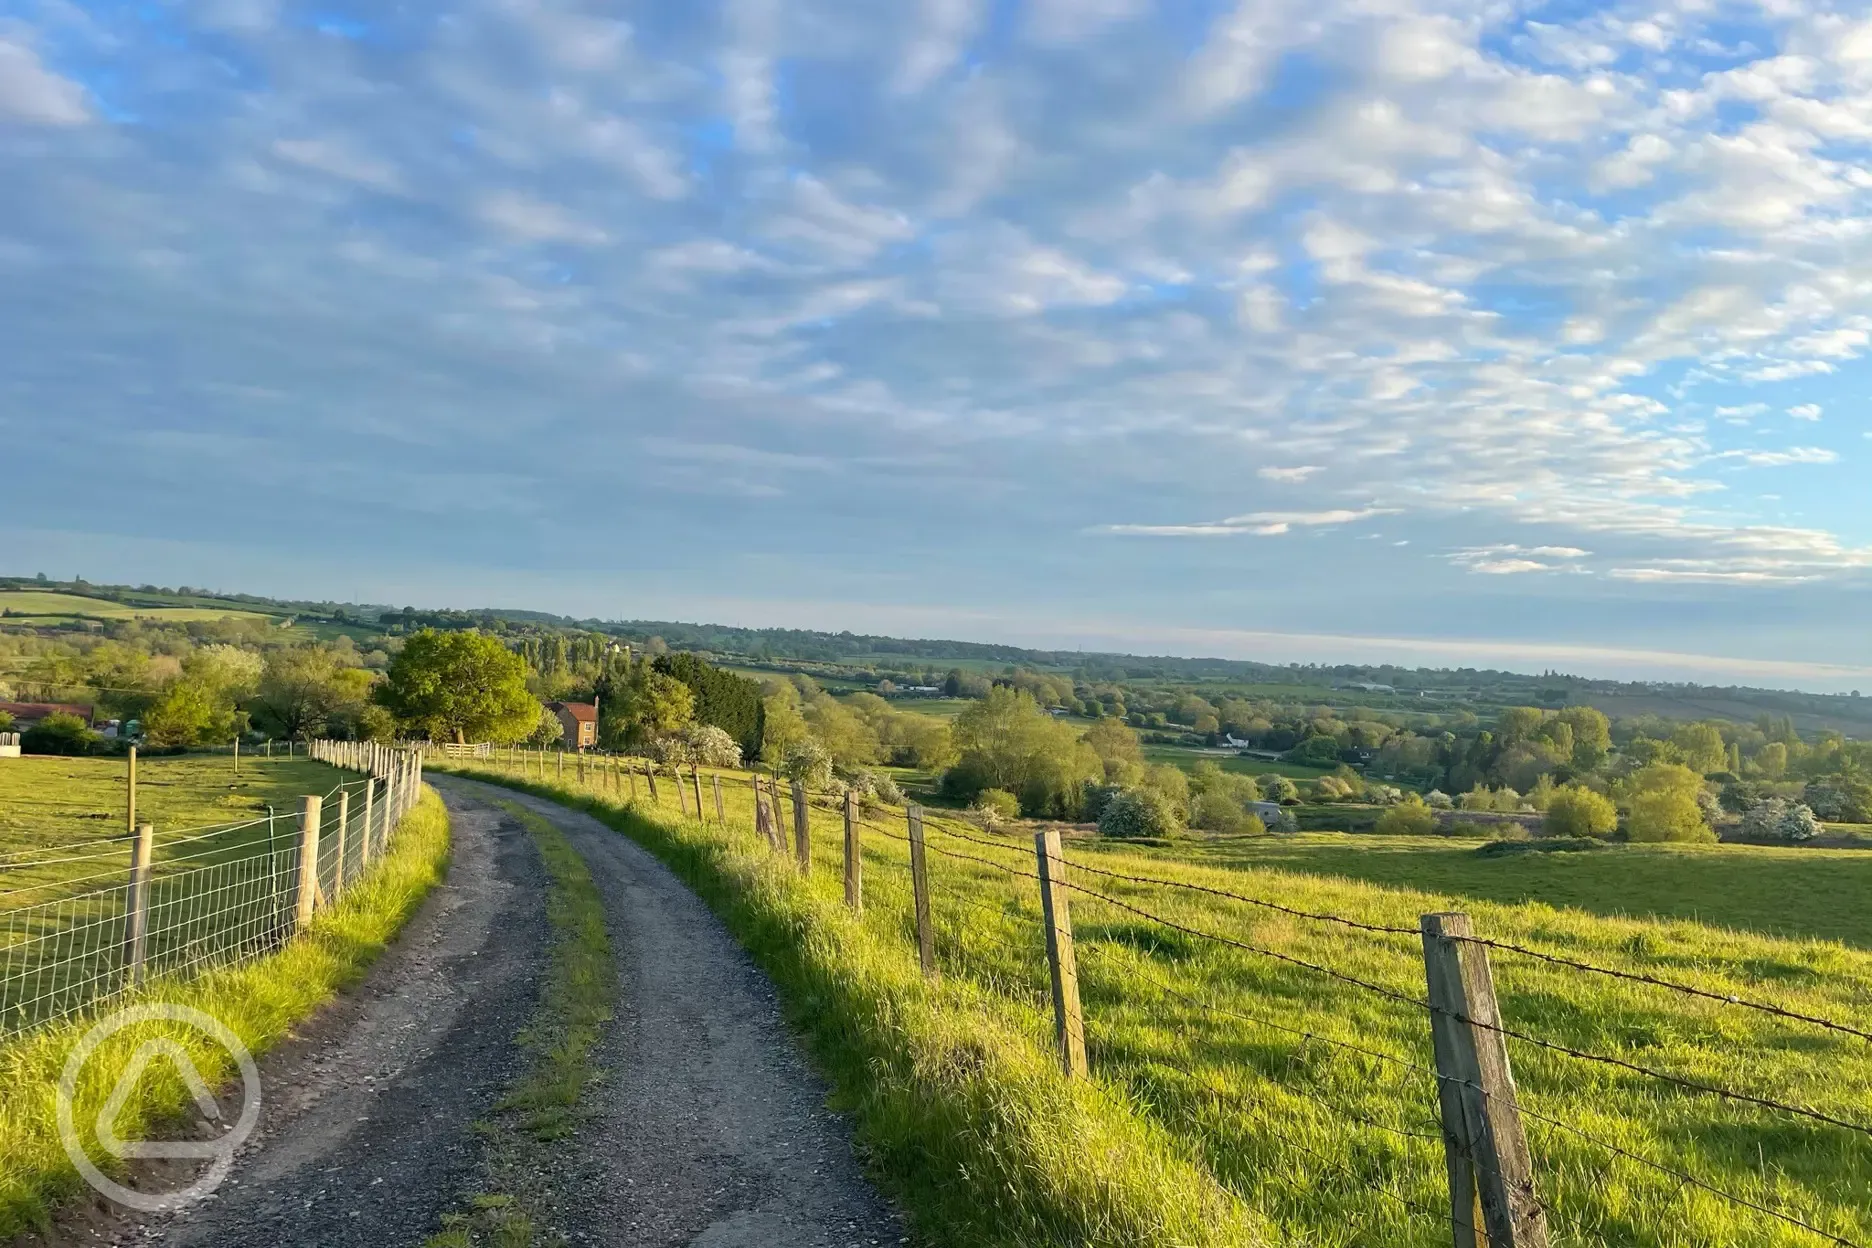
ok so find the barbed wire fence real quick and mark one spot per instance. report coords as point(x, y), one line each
point(1462, 1148)
point(83, 923)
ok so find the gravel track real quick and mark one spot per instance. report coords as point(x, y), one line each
point(710, 1129)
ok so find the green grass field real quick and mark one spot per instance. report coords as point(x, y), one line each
point(65, 801)
point(43, 606)
point(1231, 1102)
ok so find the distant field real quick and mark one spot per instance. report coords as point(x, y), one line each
point(69, 801)
point(940, 708)
point(34, 603)
point(1796, 893)
point(1671, 706)
point(1186, 757)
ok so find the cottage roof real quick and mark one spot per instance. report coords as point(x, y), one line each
point(584, 712)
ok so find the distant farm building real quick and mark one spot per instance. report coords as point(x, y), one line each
point(580, 721)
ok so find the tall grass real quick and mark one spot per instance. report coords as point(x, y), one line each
point(1236, 1095)
point(259, 1001)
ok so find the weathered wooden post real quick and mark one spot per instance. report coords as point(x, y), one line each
point(1491, 1172)
point(632, 768)
point(237, 758)
point(137, 903)
point(919, 887)
point(721, 815)
point(559, 773)
point(1068, 1022)
point(370, 809)
point(682, 799)
point(131, 825)
point(307, 892)
point(695, 781)
point(581, 768)
point(854, 883)
point(802, 829)
point(650, 778)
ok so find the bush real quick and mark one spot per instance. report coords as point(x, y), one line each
point(1437, 799)
point(807, 762)
point(58, 733)
point(1137, 813)
point(1549, 845)
point(1780, 820)
point(994, 807)
point(1578, 811)
point(1410, 817)
point(1665, 805)
point(1218, 812)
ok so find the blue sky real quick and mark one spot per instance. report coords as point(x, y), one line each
point(1420, 330)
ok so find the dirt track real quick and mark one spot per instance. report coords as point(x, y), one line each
point(708, 1128)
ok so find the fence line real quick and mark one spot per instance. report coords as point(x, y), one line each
point(1492, 1175)
point(233, 893)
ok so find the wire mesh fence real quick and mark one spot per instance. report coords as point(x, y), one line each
point(82, 923)
point(1314, 1056)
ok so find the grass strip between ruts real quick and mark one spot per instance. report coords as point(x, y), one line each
point(543, 1105)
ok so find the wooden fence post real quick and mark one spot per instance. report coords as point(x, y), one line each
point(370, 809)
point(307, 899)
point(559, 765)
point(650, 778)
point(581, 769)
point(682, 799)
point(775, 819)
point(1068, 1021)
point(919, 887)
point(721, 815)
point(802, 829)
point(633, 779)
point(695, 781)
point(131, 824)
point(854, 881)
point(137, 903)
point(1491, 1172)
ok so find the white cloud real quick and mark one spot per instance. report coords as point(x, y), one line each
point(537, 220)
point(1805, 411)
point(1068, 21)
point(336, 158)
point(1782, 459)
point(1295, 474)
point(31, 93)
point(1258, 523)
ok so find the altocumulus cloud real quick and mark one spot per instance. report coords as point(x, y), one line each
point(1535, 293)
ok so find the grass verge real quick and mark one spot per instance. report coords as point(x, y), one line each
point(543, 1105)
point(955, 1090)
point(259, 1001)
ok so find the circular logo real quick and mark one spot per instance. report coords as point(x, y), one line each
point(218, 1152)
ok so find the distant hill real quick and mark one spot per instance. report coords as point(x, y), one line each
point(863, 655)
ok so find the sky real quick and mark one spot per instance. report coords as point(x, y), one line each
point(1433, 331)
